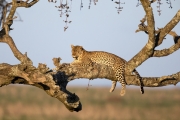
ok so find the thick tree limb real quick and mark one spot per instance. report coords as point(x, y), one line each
point(147, 50)
point(102, 71)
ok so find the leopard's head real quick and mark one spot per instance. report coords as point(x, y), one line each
point(77, 51)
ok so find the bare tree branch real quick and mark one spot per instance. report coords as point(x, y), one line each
point(166, 52)
point(155, 38)
point(143, 27)
point(169, 27)
point(7, 39)
point(160, 81)
point(8, 21)
point(173, 48)
point(147, 50)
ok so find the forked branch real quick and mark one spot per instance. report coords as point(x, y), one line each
point(148, 49)
point(174, 21)
point(155, 38)
point(172, 49)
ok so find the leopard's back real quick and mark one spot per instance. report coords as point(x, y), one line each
point(109, 59)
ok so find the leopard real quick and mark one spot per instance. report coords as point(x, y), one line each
point(87, 58)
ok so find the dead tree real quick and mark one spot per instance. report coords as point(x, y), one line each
point(54, 82)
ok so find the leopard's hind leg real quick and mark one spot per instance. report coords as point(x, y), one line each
point(120, 77)
point(123, 89)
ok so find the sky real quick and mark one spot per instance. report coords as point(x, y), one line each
point(41, 34)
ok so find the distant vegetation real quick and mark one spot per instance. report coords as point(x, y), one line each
point(31, 103)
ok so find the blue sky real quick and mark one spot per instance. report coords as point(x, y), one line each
point(42, 36)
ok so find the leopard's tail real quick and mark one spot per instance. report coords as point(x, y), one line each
point(140, 80)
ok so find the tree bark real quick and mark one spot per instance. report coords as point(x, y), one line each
point(54, 82)
point(148, 49)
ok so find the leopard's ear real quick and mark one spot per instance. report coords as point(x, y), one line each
point(72, 46)
point(81, 47)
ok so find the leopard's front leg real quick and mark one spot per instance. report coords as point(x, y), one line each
point(113, 86)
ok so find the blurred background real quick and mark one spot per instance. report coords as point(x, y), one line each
point(30, 103)
point(39, 31)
